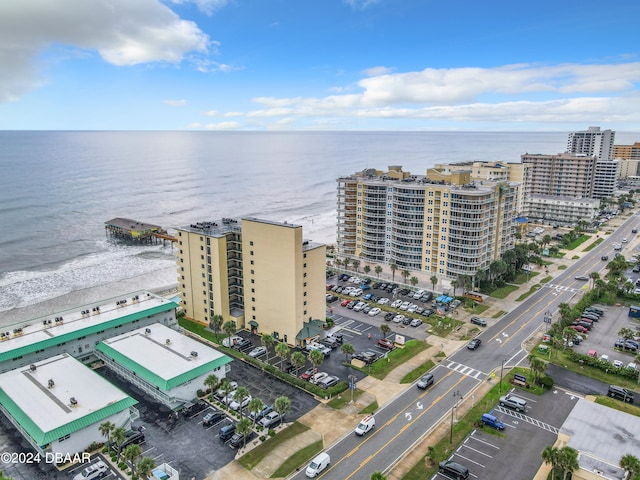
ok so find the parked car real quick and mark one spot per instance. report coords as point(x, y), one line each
point(453, 470)
point(308, 373)
point(492, 421)
point(261, 414)
point(383, 300)
point(344, 303)
point(416, 322)
point(238, 440)
point(374, 311)
point(239, 405)
point(328, 381)
point(230, 341)
point(513, 402)
point(227, 431)
point(474, 344)
point(242, 344)
point(96, 470)
point(220, 393)
point(579, 328)
point(270, 419)
point(385, 343)
point(425, 381)
point(190, 409)
point(397, 303)
point(258, 352)
point(367, 357)
point(479, 321)
point(212, 418)
point(398, 318)
point(389, 316)
point(317, 377)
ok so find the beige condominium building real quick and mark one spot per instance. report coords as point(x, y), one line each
point(563, 174)
point(442, 223)
point(263, 275)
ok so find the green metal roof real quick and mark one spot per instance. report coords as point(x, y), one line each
point(53, 341)
point(310, 329)
point(43, 438)
point(155, 379)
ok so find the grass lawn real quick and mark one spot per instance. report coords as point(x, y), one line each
point(618, 405)
point(442, 326)
point(562, 267)
point(532, 290)
point(502, 292)
point(297, 460)
point(416, 373)
point(255, 456)
point(381, 368)
point(499, 314)
point(342, 399)
point(477, 309)
point(577, 242)
point(593, 245)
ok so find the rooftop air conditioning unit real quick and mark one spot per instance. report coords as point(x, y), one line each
point(147, 331)
point(167, 341)
point(194, 353)
point(32, 367)
point(51, 383)
point(73, 401)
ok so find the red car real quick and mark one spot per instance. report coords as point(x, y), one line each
point(309, 373)
point(383, 342)
point(344, 303)
point(578, 328)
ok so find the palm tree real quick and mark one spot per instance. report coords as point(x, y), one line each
point(413, 281)
point(298, 360)
point(241, 394)
point(316, 357)
point(367, 269)
point(378, 476)
point(356, 264)
point(405, 274)
point(212, 382)
point(434, 280)
point(282, 404)
point(255, 406)
point(385, 329)
point(119, 435)
point(550, 456)
point(455, 284)
point(282, 351)
point(393, 268)
point(568, 461)
point(378, 270)
point(268, 341)
point(626, 334)
point(216, 324)
point(346, 263)
point(229, 328)
point(631, 465)
point(105, 430)
point(226, 389)
point(131, 454)
point(338, 262)
point(145, 467)
point(538, 366)
point(348, 349)
point(244, 428)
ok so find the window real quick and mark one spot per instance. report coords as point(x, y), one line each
point(251, 243)
point(251, 252)
point(252, 272)
point(251, 262)
point(202, 248)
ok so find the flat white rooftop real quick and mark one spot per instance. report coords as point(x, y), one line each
point(48, 331)
point(59, 396)
point(162, 356)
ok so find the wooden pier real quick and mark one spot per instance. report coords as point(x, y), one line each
point(135, 231)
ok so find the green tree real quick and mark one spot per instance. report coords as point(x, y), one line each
point(378, 270)
point(316, 357)
point(212, 382)
point(385, 329)
point(378, 476)
point(393, 268)
point(455, 284)
point(630, 464)
point(298, 360)
point(241, 394)
point(568, 461)
point(216, 324)
point(346, 263)
point(550, 455)
point(405, 274)
point(255, 406)
point(626, 334)
point(414, 281)
point(356, 264)
point(119, 435)
point(226, 388)
point(367, 269)
point(244, 428)
point(434, 281)
point(268, 341)
point(282, 404)
point(538, 366)
point(348, 350)
point(131, 454)
point(105, 430)
point(229, 328)
point(282, 351)
point(145, 467)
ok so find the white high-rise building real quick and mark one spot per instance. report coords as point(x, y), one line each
point(592, 142)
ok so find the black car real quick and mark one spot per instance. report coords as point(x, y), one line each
point(454, 470)
point(376, 285)
point(473, 344)
point(133, 437)
point(604, 258)
point(594, 309)
point(237, 440)
point(479, 321)
point(212, 418)
point(404, 291)
point(389, 316)
point(191, 409)
point(227, 432)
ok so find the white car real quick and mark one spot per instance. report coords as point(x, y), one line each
point(220, 393)
point(604, 357)
point(359, 306)
point(617, 363)
point(257, 352)
point(416, 322)
point(632, 366)
point(97, 470)
point(624, 240)
point(270, 419)
point(374, 311)
point(367, 424)
point(412, 308)
point(404, 306)
point(356, 293)
point(396, 303)
point(418, 294)
point(231, 341)
point(348, 290)
point(317, 377)
point(235, 405)
point(383, 301)
point(398, 319)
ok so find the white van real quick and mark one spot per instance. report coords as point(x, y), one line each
point(367, 424)
point(318, 464)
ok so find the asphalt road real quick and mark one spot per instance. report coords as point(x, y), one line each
point(410, 416)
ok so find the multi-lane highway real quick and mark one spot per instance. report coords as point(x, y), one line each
point(407, 418)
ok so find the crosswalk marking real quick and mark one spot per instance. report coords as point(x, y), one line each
point(561, 288)
point(526, 418)
point(465, 370)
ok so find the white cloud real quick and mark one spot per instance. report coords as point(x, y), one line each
point(360, 4)
point(376, 71)
point(123, 32)
point(175, 103)
point(220, 126)
point(510, 93)
point(208, 7)
point(233, 114)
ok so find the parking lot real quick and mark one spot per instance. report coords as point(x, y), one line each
point(512, 453)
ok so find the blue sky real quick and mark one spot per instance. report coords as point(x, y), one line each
point(319, 65)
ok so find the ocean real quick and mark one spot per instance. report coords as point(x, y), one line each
point(58, 188)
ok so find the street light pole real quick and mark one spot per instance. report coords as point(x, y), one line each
point(459, 396)
point(501, 372)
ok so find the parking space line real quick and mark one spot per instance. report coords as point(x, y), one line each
point(465, 445)
point(531, 420)
point(472, 436)
point(468, 459)
point(355, 332)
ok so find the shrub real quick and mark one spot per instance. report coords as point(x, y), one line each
point(262, 438)
point(546, 382)
point(200, 393)
point(122, 466)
